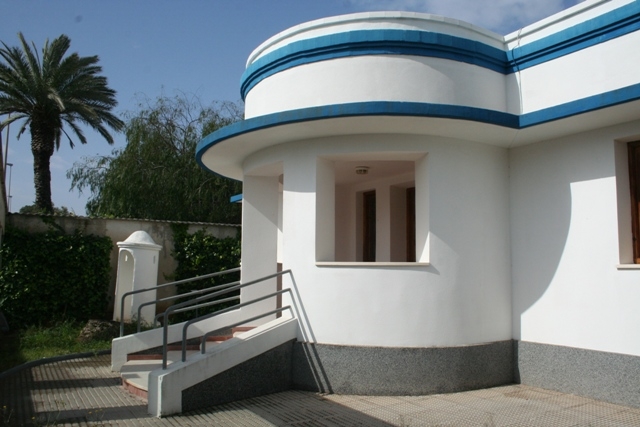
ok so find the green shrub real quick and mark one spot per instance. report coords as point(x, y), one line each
point(50, 277)
point(198, 254)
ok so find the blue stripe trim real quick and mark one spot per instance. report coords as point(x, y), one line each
point(411, 109)
point(373, 42)
point(236, 199)
point(585, 105)
point(603, 28)
point(414, 109)
point(608, 26)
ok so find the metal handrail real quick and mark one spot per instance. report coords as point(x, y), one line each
point(195, 307)
point(225, 310)
point(203, 348)
point(173, 308)
point(177, 282)
point(196, 292)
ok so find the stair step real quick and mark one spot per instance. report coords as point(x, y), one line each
point(135, 372)
point(239, 329)
point(218, 338)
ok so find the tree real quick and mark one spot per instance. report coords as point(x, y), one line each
point(34, 210)
point(48, 93)
point(156, 175)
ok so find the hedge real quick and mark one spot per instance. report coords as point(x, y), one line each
point(198, 254)
point(50, 277)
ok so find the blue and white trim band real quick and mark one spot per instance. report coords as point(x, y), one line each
point(416, 109)
point(619, 22)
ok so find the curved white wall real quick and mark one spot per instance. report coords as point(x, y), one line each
point(378, 78)
point(462, 297)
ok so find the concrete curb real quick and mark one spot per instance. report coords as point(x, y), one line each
point(45, 360)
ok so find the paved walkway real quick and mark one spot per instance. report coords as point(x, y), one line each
point(84, 392)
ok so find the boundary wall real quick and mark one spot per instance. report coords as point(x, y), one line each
point(118, 229)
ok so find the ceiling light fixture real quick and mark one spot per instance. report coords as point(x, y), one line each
point(362, 170)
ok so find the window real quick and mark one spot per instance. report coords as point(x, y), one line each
point(374, 211)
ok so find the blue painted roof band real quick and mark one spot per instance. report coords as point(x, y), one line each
point(585, 105)
point(373, 42)
point(610, 25)
point(405, 109)
point(415, 109)
point(605, 27)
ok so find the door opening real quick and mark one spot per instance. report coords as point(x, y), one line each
point(369, 226)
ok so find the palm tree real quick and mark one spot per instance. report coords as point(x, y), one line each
point(49, 93)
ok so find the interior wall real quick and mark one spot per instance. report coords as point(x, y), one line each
point(398, 224)
point(345, 235)
point(390, 218)
point(325, 210)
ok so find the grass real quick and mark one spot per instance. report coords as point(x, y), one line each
point(35, 343)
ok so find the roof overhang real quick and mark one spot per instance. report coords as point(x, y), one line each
point(224, 151)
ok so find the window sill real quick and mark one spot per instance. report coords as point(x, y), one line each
point(628, 266)
point(371, 264)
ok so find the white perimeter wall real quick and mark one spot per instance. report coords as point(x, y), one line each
point(570, 229)
point(463, 297)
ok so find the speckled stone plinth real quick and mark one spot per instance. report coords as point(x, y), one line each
point(401, 371)
point(267, 373)
point(600, 375)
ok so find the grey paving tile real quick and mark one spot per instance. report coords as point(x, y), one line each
point(85, 392)
point(629, 416)
point(484, 393)
point(438, 403)
point(382, 413)
point(598, 409)
point(570, 400)
point(340, 398)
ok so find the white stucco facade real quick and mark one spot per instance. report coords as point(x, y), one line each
point(515, 147)
point(574, 283)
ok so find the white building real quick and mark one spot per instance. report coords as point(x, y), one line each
point(518, 263)
point(455, 206)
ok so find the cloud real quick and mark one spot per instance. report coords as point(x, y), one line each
point(501, 16)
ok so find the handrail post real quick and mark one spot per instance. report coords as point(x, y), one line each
point(184, 341)
point(122, 317)
point(165, 338)
point(180, 306)
point(226, 310)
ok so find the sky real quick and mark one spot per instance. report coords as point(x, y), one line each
point(149, 48)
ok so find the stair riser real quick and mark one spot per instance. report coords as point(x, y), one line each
point(136, 391)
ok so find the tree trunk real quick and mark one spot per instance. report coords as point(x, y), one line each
point(42, 143)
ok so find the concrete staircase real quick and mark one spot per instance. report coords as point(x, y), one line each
point(139, 361)
point(135, 372)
